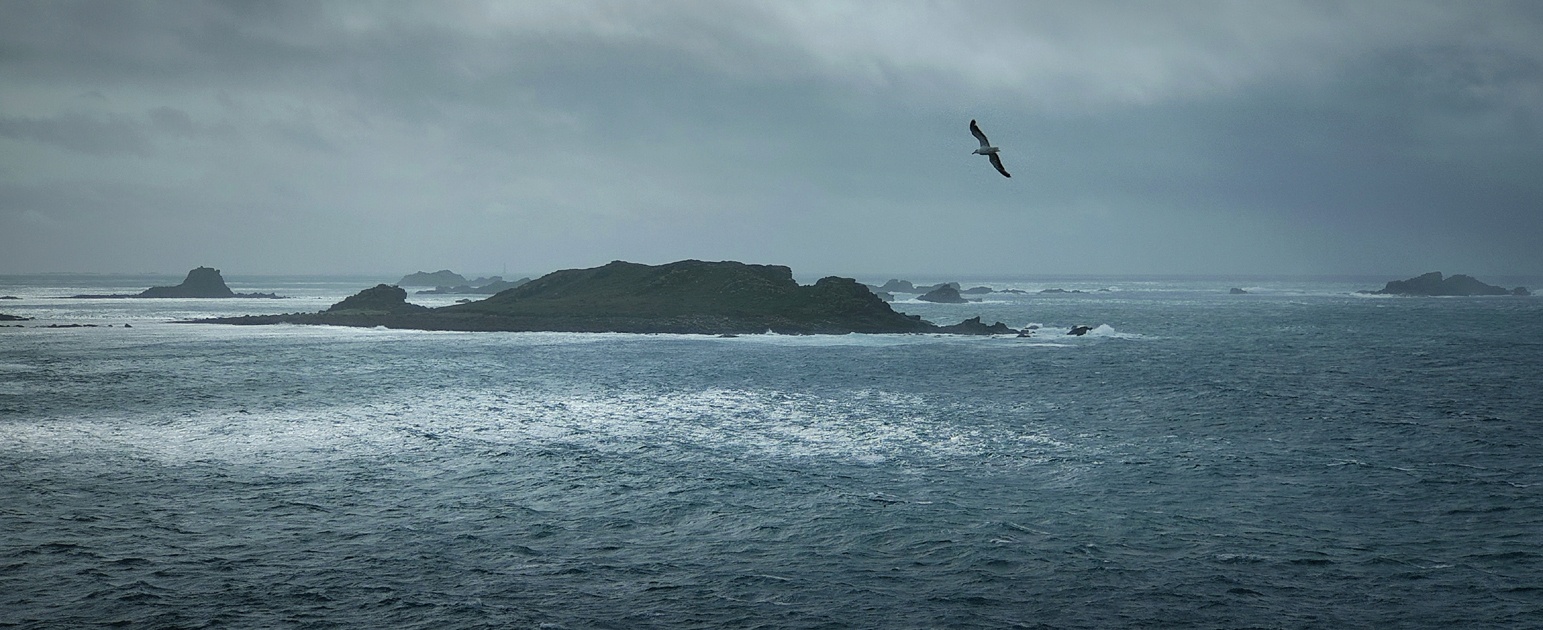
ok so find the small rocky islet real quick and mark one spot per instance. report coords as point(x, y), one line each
point(202, 282)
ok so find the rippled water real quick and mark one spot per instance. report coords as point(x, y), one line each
point(1299, 457)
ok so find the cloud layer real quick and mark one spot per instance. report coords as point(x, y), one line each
point(1200, 137)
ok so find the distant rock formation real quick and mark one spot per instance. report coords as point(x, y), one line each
point(1432, 284)
point(1236, 291)
point(480, 286)
point(905, 286)
point(382, 298)
point(441, 278)
point(945, 294)
point(977, 291)
point(1058, 290)
point(973, 326)
point(203, 282)
point(1079, 330)
point(9, 297)
point(13, 318)
point(689, 296)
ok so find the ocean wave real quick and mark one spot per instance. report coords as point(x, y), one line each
point(867, 428)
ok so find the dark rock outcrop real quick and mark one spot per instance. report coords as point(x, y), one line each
point(1079, 330)
point(945, 294)
point(203, 282)
point(13, 318)
point(977, 291)
point(1059, 290)
point(1236, 291)
point(1433, 284)
point(382, 298)
point(441, 278)
point(689, 296)
point(973, 326)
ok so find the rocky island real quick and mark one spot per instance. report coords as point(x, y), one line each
point(887, 290)
point(203, 282)
point(441, 278)
point(480, 286)
point(905, 286)
point(1432, 284)
point(945, 294)
point(689, 296)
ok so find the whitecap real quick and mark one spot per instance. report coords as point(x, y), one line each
point(862, 428)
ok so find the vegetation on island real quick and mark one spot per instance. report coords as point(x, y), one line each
point(688, 296)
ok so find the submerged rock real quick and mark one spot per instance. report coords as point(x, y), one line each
point(1079, 330)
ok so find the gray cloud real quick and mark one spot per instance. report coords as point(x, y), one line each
point(78, 132)
point(1193, 137)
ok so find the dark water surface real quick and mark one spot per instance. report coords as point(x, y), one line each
point(1289, 460)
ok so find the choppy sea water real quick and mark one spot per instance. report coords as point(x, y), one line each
point(1296, 457)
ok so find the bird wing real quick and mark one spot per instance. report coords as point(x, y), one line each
point(997, 162)
point(978, 135)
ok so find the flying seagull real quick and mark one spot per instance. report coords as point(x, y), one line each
point(987, 150)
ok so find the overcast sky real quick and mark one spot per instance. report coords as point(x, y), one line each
point(1143, 137)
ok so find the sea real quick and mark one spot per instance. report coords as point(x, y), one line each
point(1296, 456)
